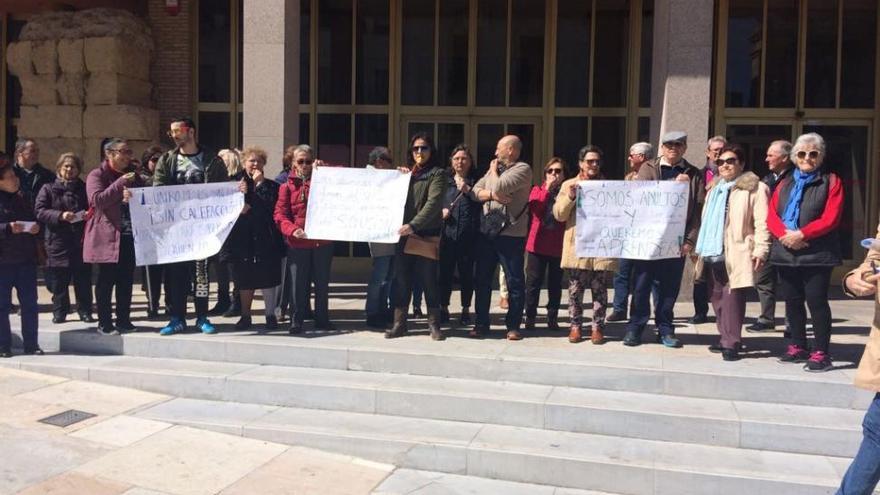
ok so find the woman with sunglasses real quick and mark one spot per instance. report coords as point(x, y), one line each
point(583, 273)
point(544, 246)
point(422, 218)
point(804, 218)
point(733, 244)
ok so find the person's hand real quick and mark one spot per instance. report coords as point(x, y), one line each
point(242, 186)
point(862, 287)
point(793, 239)
point(129, 177)
point(403, 170)
point(68, 216)
point(757, 263)
point(686, 249)
point(126, 195)
point(16, 227)
point(572, 191)
point(299, 234)
point(35, 229)
point(500, 197)
point(405, 230)
point(245, 209)
point(493, 167)
point(445, 213)
point(258, 176)
point(682, 178)
point(318, 163)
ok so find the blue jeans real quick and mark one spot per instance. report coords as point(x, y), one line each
point(664, 277)
point(380, 286)
point(510, 252)
point(621, 286)
point(24, 279)
point(864, 472)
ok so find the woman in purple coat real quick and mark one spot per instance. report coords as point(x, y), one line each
point(61, 206)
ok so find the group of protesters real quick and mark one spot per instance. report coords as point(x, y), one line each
point(777, 234)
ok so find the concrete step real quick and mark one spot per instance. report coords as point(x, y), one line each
point(416, 482)
point(730, 423)
point(689, 372)
point(525, 455)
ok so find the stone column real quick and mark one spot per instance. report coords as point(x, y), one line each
point(681, 84)
point(271, 77)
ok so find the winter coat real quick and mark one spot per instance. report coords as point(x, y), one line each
point(166, 168)
point(516, 182)
point(16, 249)
point(542, 240)
point(772, 180)
point(650, 170)
point(64, 240)
point(745, 230)
point(821, 209)
point(423, 210)
point(868, 373)
point(103, 230)
point(32, 182)
point(255, 236)
point(565, 211)
point(290, 212)
point(463, 222)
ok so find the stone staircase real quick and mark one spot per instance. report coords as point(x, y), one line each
point(609, 418)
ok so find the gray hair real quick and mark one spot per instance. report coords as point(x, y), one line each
point(304, 148)
point(113, 142)
point(783, 147)
point(806, 139)
point(378, 153)
point(716, 139)
point(642, 148)
point(21, 144)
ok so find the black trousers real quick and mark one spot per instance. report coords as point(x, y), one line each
point(765, 284)
point(457, 255)
point(307, 265)
point(58, 280)
point(179, 280)
point(408, 266)
point(807, 284)
point(701, 298)
point(118, 276)
point(156, 274)
point(536, 266)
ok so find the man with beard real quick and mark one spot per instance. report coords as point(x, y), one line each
point(187, 163)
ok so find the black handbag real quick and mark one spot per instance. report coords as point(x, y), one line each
point(493, 222)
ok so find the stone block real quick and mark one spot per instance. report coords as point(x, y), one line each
point(92, 156)
point(105, 88)
point(50, 121)
point(39, 89)
point(117, 56)
point(70, 56)
point(71, 88)
point(52, 148)
point(125, 121)
point(45, 56)
point(19, 58)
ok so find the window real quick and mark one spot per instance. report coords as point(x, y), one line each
point(218, 77)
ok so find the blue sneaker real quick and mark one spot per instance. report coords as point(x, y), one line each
point(174, 326)
point(670, 341)
point(205, 326)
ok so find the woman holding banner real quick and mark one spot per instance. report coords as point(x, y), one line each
point(419, 246)
point(583, 272)
point(732, 245)
point(309, 259)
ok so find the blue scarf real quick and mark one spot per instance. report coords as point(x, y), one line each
point(792, 214)
point(710, 241)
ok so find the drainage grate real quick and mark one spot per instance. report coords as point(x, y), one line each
point(67, 418)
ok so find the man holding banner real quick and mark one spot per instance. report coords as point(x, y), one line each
point(187, 163)
point(667, 273)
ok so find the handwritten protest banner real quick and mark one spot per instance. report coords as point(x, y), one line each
point(182, 223)
point(356, 204)
point(642, 220)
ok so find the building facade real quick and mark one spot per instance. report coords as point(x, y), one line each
point(347, 75)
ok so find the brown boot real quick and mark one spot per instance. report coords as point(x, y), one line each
point(530, 323)
point(552, 320)
point(597, 338)
point(574, 335)
point(434, 324)
point(399, 328)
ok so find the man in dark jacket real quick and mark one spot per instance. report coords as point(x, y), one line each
point(31, 174)
point(187, 163)
point(666, 273)
point(779, 162)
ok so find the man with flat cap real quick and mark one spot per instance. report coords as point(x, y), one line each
point(666, 273)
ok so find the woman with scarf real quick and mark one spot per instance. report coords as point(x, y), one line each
point(309, 259)
point(461, 225)
point(804, 217)
point(583, 273)
point(733, 244)
point(61, 206)
point(422, 222)
point(544, 246)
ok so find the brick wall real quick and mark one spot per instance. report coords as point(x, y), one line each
point(172, 69)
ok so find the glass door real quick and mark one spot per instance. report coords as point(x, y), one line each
point(446, 132)
point(486, 131)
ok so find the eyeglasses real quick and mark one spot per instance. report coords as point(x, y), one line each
point(420, 149)
point(305, 162)
point(633, 155)
point(591, 162)
point(811, 154)
point(554, 171)
point(727, 161)
point(122, 151)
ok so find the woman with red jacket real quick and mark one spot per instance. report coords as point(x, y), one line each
point(803, 219)
point(309, 259)
point(544, 246)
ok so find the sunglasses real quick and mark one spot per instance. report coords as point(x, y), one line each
point(811, 154)
point(727, 161)
point(420, 149)
point(591, 162)
point(554, 171)
point(305, 162)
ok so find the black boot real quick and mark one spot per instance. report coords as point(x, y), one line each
point(399, 328)
point(221, 307)
point(434, 324)
point(553, 319)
